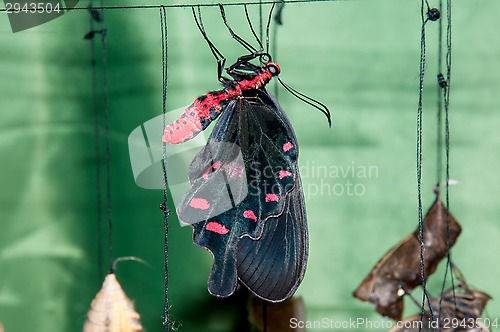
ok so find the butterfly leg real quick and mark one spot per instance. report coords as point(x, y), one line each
point(221, 60)
point(240, 40)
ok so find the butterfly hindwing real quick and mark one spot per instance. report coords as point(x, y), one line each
point(273, 266)
point(245, 177)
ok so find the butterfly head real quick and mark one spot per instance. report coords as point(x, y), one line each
point(273, 68)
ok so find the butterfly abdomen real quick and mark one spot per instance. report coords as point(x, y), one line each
point(196, 117)
point(207, 108)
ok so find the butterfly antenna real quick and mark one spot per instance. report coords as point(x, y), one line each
point(261, 47)
point(240, 40)
point(268, 25)
point(308, 100)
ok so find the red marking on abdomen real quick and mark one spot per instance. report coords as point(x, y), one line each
point(287, 146)
point(210, 100)
point(250, 215)
point(257, 82)
point(199, 203)
point(271, 198)
point(187, 126)
point(217, 228)
point(206, 108)
point(284, 174)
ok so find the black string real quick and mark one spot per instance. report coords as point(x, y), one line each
point(446, 97)
point(428, 7)
point(250, 3)
point(261, 35)
point(441, 88)
point(439, 120)
point(261, 18)
point(106, 135)
point(97, 149)
point(274, 43)
point(167, 323)
point(267, 27)
point(425, 296)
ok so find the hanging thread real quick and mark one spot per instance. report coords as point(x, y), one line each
point(167, 323)
point(97, 148)
point(434, 14)
point(424, 10)
point(106, 134)
point(439, 119)
point(261, 31)
point(445, 85)
point(446, 111)
point(278, 20)
point(98, 16)
point(251, 3)
point(261, 35)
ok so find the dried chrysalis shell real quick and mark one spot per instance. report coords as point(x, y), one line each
point(111, 310)
point(469, 307)
point(400, 266)
point(279, 317)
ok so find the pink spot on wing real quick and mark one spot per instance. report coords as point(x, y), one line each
point(217, 228)
point(250, 215)
point(215, 166)
point(271, 198)
point(287, 146)
point(199, 203)
point(234, 169)
point(284, 174)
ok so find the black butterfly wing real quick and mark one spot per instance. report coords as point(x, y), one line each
point(244, 177)
point(273, 266)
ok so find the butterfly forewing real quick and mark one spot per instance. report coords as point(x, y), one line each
point(243, 178)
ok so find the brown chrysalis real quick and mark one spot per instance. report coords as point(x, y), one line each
point(464, 316)
point(111, 310)
point(277, 317)
point(399, 269)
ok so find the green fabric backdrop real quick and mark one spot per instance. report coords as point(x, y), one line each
point(358, 57)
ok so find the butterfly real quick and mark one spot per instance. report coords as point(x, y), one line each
point(245, 201)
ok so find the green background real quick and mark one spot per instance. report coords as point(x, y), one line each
point(358, 57)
